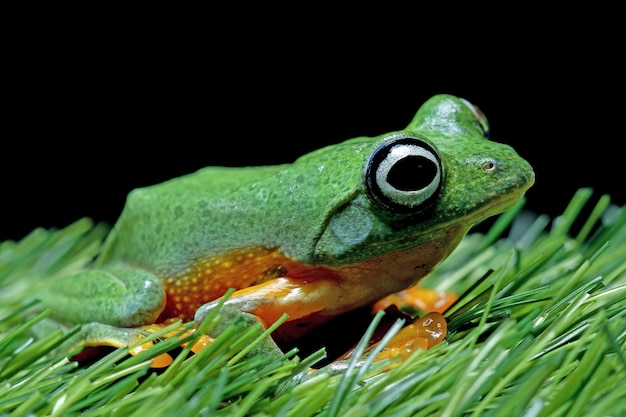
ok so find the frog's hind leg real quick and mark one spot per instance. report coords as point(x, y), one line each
point(115, 307)
point(94, 336)
point(121, 297)
point(100, 334)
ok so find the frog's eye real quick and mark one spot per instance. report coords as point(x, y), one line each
point(404, 174)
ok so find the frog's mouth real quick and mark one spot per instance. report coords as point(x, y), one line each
point(493, 208)
point(461, 225)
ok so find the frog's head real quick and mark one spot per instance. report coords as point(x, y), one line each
point(424, 185)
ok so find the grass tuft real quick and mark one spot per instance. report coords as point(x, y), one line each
point(539, 330)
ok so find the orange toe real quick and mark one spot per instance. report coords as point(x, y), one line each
point(422, 299)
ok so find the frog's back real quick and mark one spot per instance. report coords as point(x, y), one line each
point(216, 211)
point(161, 224)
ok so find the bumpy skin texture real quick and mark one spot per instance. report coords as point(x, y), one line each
point(305, 238)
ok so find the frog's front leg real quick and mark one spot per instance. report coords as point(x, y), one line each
point(262, 305)
point(270, 300)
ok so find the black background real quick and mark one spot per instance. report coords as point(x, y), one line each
point(91, 115)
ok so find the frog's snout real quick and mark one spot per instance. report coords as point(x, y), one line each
point(511, 169)
point(524, 173)
point(502, 174)
point(530, 177)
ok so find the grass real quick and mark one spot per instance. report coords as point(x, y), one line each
point(539, 330)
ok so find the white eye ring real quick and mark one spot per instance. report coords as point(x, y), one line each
point(404, 174)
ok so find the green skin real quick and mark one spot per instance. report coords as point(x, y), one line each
point(318, 211)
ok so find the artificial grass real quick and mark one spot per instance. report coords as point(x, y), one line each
point(539, 330)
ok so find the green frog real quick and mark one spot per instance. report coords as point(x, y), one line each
point(338, 229)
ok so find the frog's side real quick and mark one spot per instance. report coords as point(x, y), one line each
point(315, 239)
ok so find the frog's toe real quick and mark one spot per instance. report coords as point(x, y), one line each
point(230, 314)
point(99, 334)
point(93, 335)
point(204, 311)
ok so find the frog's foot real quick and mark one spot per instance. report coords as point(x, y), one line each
point(92, 335)
point(164, 359)
point(423, 333)
point(264, 304)
point(420, 299)
point(231, 313)
point(95, 335)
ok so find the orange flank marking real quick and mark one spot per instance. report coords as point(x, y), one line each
point(423, 299)
point(208, 279)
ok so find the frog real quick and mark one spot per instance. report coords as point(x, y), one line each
point(338, 229)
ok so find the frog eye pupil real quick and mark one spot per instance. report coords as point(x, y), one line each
point(412, 173)
point(404, 174)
